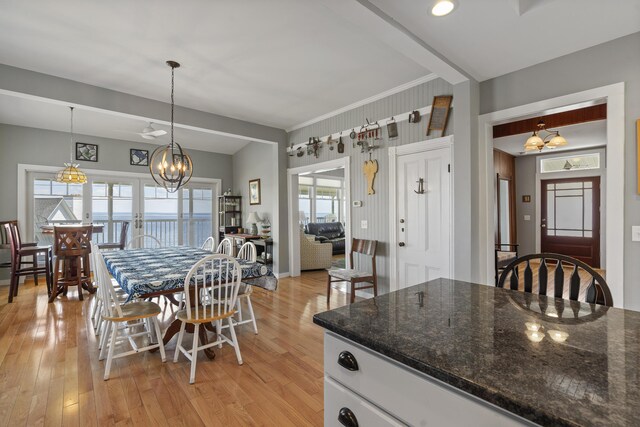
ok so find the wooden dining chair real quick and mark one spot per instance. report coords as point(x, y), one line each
point(217, 277)
point(565, 276)
point(72, 249)
point(225, 247)
point(125, 322)
point(124, 230)
point(26, 267)
point(363, 249)
point(208, 244)
point(144, 241)
point(247, 252)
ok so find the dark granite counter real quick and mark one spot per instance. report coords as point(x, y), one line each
point(551, 361)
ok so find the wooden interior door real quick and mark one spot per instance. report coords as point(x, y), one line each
point(570, 218)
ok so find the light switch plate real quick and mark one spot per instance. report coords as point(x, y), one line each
point(527, 217)
point(635, 233)
point(357, 203)
point(363, 224)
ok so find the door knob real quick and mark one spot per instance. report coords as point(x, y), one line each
point(543, 225)
point(401, 244)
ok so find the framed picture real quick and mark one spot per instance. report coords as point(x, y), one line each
point(254, 192)
point(138, 157)
point(86, 152)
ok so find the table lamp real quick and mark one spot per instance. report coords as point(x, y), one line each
point(253, 220)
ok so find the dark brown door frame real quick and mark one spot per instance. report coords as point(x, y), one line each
point(572, 242)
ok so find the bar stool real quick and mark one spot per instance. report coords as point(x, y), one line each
point(72, 246)
point(18, 252)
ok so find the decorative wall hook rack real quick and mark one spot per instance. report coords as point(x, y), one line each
point(420, 183)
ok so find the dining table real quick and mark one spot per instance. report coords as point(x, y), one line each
point(146, 273)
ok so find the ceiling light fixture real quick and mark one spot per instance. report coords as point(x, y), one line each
point(442, 7)
point(171, 166)
point(71, 174)
point(551, 140)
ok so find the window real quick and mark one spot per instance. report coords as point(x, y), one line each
point(55, 203)
point(320, 199)
point(570, 163)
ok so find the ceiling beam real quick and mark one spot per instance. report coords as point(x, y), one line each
point(383, 28)
point(30, 84)
point(552, 121)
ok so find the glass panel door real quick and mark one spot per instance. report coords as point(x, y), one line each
point(159, 216)
point(113, 203)
point(52, 203)
point(197, 214)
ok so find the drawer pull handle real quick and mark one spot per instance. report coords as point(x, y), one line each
point(347, 418)
point(348, 361)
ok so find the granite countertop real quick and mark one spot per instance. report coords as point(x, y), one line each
point(582, 366)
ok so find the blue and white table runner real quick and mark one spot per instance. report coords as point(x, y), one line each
point(144, 271)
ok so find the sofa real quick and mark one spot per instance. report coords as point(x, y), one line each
point(314, 255)
point(328, 232)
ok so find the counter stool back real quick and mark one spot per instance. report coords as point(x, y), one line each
point(72, 249)
point(583, 281)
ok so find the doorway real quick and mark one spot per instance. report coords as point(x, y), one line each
point(420, 210)
point(570, 218)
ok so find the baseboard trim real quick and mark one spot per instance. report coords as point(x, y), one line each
point(282, 275)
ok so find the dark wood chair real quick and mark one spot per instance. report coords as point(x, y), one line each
point(26, 267)
point(505, 254)
point(583, 281)
point(72, 249)
point(361, 247)
point(123, 239)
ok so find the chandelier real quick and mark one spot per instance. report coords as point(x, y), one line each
point(170, 165)
point(551, 140)
point(71, 174)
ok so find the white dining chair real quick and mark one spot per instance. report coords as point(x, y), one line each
point(225, 247)
point(123, 320)
point(144, 241)
point(208, 244)
point(217, 276)
point(247, 252)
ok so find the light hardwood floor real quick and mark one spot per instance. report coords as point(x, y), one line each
point(50, 373)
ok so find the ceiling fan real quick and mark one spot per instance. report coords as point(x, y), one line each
point(150, 133)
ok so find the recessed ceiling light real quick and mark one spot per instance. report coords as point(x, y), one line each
point(442, 8)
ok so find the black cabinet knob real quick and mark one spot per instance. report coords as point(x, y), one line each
point(347, 418)
point(348, 361)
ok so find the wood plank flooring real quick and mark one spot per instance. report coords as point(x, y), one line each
point(50, 374)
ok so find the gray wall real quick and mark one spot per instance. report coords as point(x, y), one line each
point(526, 184)
point(375, 208)
point(608, 63)
point(257, 160)
point(44, 147)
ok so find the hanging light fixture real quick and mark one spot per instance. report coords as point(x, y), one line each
point(171, 166)
point(551, 140)
point(71, 174)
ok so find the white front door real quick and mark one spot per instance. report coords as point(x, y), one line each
point(423, 219)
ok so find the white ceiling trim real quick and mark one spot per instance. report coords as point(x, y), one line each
point(366, 101)
point(132, 116)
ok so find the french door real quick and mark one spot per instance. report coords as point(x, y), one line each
point(570, 219)
point(181, 218)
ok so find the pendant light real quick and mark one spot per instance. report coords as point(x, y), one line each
point(71, 174)
point(551, 140)
point(171, 166)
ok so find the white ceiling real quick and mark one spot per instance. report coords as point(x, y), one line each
point(487, 38)
point(53, 116)
point(281, 62)
point(278, 62)
point(580, 136)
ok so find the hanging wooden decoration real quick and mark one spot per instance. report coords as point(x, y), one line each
point(340, 145)
point(439, 113)
point(370, 169)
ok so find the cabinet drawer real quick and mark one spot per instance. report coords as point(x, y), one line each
point(338, 398)
point(408, 395)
